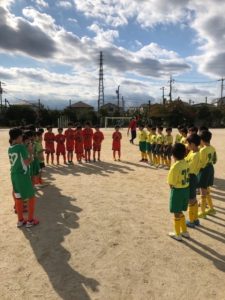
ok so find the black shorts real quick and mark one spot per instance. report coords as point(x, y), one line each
point(167, 151)
point(42, 165)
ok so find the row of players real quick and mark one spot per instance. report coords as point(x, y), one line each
point(156, 147)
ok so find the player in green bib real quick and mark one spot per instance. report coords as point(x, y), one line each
point(20, 159)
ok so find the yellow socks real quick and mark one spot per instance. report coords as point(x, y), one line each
point(195, 209)
point(191, 208)
point(203, 204)
point(183, 224)
point(177, 226)
point(209, 199)
point(150, 157)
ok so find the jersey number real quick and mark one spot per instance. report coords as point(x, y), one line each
point(185, 174)
point(13, 158)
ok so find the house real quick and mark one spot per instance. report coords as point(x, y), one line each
point(110, 109)
point(81, 107)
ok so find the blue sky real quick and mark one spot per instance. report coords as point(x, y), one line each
point(50, 49)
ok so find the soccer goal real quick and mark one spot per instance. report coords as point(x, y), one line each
point(63, 121)
point(113, 121)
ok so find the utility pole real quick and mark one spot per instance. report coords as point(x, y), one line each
point(1, 92)
point(163, 95)
point(149, 107)
point(123, 104)
point(118, 97)
point(101, 98)
point(70, 104)
point(171, 81)
point(222, 88)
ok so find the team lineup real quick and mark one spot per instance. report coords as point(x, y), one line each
point(189, 158)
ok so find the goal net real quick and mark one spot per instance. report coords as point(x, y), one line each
point(111, 122)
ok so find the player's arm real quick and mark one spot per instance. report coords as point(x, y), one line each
point(27, 157)
point(171, 179)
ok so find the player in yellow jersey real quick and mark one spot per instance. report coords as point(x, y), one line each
point(208, 158)
point(192, 130)
point(148, 144)
point(159, 146)
point(153, 146)
point(178, 179)
point(193, 160)
point(168, 143)
point(178, 135)
point(184, 136)
point(142, 136)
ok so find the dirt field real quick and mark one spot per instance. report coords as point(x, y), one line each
point(103, 235)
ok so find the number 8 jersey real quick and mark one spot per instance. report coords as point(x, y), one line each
point(178, 176)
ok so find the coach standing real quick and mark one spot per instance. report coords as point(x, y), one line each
point(132, 127)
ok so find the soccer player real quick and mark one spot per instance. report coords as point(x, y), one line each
point(49, 139)
point(60, 148)
point(142, 136)
point(88, 139)
point(149, 144)
point(208, 158)
point(193, 160)
point(159, 146)
point(132, 127)
point(184, 133)
point(20, 158)
point(98, 137)
point(116, 143)
point(153, 145)
point(178, 179)
point(40, 152)
point(192, 130)
point(168, 143)
point(69, 134)
point(179, 135)
point(79, 143)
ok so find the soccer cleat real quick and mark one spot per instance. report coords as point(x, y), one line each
point(202, 215)
point(21, 223)
point(32, 223)
point(197, 222)
point(190, 224)
point(211, 211)
point(175, 236)
point(185, 235)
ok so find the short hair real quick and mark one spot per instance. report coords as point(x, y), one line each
point(193, 129)
point(184, 130)
point(179, 151)
point(29, 133)
point(141, 125)
point(117, 127)
point(31, 127)
point(203, 128)
point(149, 125)
point(154, 128)
point(194, 139)
point(206, 136)
point(39, 133)
point(88, 123)
point(97, 126)
point(160, 128)
point(60, 129)
point(14, 133)
point(41, 130)
point(179, 127)
point(48, 127)
point(25, 137)
point(70, 124)
point(79, 126)
point(168, 129)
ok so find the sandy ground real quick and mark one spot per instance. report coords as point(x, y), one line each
point(103, 235)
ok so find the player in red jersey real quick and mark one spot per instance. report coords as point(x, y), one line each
point(49, 139)
point(98, 137)
point(88, 138)
point(116, 144)
point(60, 148)
point(69, 133)
point(79, 143)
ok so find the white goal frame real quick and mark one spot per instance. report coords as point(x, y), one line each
point(115, 118)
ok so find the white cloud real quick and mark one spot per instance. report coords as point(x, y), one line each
point(41, 3)
point(64, 4)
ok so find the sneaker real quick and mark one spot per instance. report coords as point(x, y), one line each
point(190, 224)
point(21, 223)
point(32, 223)
point(186, 235)
point(142, 160)
point(175, 236)
point(202, 215)
point(211, 211)
point(197, 222)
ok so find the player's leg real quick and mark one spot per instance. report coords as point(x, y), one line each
point(202, 214)
point(52, 158)
point(68, 156)
point(64, 158)
point(57, 159)
point(94, 158)
point(114, 155)
point(99, 155)
point(19, 209)
point(211, 209)
point(47, 158)
point(31, 208)
point(119, 154)
point(177, 226)
point(89, 155)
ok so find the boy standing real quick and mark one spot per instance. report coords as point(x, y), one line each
point(159, 146)
point(20, 159)
point(193, 160)
point(60, 148)
point(98, 137)
point(208, 158)
point(49, 139)
point(168, 143)
point(142, 136)
point(69, 134)
point(88, 137)
point(116, 144)
point(178, 179)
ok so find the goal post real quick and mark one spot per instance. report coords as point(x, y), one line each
point(121, 121)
